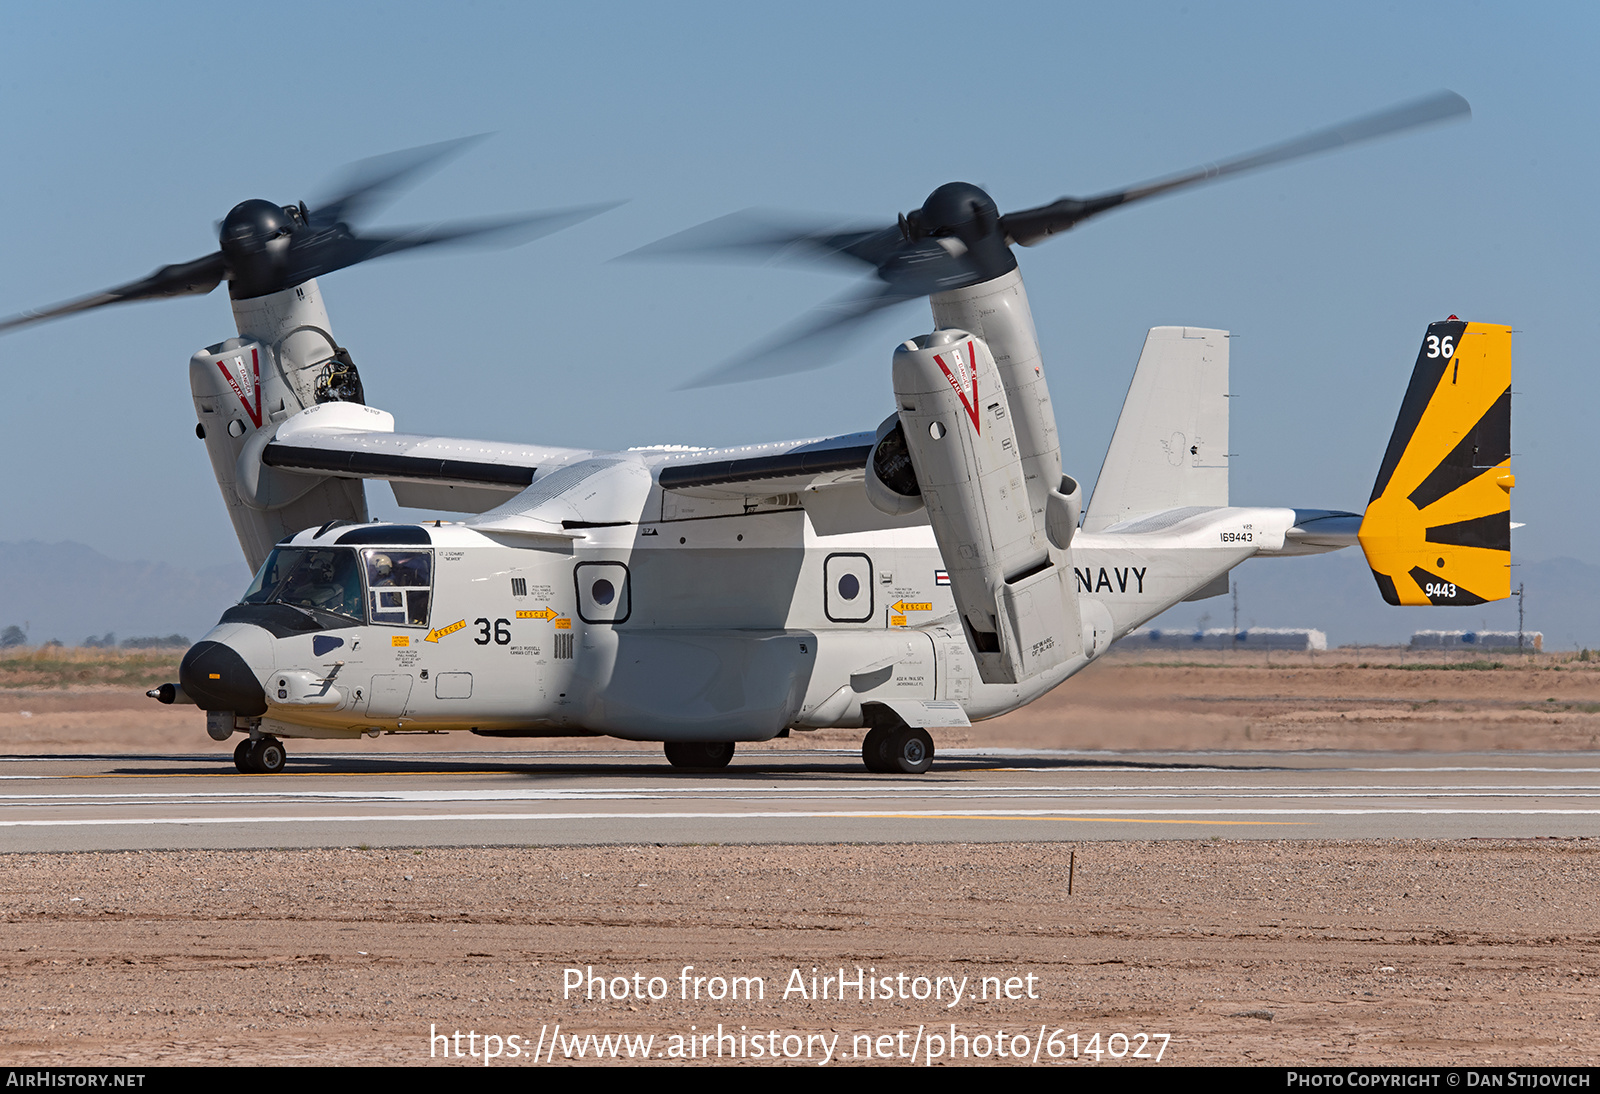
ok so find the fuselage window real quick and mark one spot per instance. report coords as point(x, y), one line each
point(399, 584)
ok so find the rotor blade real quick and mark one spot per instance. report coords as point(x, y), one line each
point(809, 344)
point(371, 183)
point(331, 250)
point(1031, 226)
point(182, 279)
point(757, 236)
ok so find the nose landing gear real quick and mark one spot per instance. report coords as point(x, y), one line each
point(262, 756)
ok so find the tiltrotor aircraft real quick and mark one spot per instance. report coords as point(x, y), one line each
point(937, 570)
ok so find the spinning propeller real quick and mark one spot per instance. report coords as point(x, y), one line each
point(959, 238)
point(266, 248)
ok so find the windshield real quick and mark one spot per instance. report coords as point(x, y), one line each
point(326, 579)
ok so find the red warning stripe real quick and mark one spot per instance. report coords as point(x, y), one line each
point(255, 383)
point(972, 405)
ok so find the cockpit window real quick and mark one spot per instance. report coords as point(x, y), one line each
point(326, 579)
point(398, 584)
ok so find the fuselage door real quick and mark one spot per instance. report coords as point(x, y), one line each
point(847, 588)
point(604, 592)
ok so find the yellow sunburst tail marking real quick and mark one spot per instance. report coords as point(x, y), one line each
point(1438, 527)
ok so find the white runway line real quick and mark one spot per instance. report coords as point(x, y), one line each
point(855, 791)
point(966, 814)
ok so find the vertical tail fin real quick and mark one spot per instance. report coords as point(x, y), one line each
point(1438, 527)
point(1171, 445)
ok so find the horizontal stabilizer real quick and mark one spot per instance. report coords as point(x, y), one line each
point(1438, 527)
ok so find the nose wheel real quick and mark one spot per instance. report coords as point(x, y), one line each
point(897, 750)
point(262, 756)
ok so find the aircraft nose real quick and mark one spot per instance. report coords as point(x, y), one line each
point(217, 678)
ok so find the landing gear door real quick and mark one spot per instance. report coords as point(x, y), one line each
point(388, 695)
point(847, 588)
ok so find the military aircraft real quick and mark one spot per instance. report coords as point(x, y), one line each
point(937, 570)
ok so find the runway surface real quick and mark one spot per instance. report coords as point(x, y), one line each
point(65, 803)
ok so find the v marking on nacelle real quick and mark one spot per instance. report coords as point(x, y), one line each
point(972, 405)
point(252, 381)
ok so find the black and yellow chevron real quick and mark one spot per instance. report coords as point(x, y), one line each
point(1438, 527)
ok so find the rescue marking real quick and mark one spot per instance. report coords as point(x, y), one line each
point(434, 636)
point(545, 613)
point(907, 606)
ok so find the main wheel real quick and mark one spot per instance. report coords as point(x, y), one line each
point(910, 751)
point(269, 756)
point(701, 754)
point(241, 756)
point(875, 750)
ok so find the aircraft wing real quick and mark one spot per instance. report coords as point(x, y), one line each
point(462, 475)
point(354, 441)
point(763, 470)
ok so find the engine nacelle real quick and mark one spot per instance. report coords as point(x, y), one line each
point(284, 361)
point(997, 312)
point(892, 485)
point(1021, 618)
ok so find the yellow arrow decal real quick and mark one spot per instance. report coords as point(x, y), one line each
point(544, 613)
point(907, 606)
point(434, 636)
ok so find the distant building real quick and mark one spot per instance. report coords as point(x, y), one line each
point(1221, 638)
point(1494, 640)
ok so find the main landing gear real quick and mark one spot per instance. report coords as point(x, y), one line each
point(897, 750)
point(262, 756)
point(705, 755)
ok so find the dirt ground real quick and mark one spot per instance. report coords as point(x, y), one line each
point(1204, 952)
point(1235, 952)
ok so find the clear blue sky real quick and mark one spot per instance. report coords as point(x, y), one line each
point(131, 129)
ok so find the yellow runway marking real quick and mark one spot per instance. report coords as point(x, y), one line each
point(1095, 820)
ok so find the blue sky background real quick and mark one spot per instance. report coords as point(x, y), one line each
point(131, 129)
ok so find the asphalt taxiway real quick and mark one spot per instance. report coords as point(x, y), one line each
point(87, 802)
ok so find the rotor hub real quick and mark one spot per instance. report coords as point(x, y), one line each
point(957, 209)
point(255, 241)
